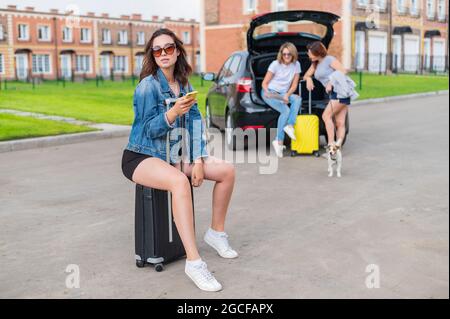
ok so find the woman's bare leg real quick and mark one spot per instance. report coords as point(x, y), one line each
point(223, 173)
point(340, 122)
point(327, 117)
point(156, 173)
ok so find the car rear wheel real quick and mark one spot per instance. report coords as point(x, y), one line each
point(232, 141)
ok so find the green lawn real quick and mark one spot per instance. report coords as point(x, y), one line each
point(111, 102)
point(15, 127)
point(375, 86)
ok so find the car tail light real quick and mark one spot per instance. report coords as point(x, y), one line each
point(244, 85)
point(252, 127)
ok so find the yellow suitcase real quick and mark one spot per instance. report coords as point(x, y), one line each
point(307, 133)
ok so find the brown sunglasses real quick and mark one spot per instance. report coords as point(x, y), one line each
point(168, 48)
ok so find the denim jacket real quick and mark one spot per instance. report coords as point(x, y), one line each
point(149, 132)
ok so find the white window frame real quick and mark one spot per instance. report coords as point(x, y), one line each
point(279, 26)
point(20, 36)
point(123, 60)
point(441, 10)
point(49, 36)
point(2, 29)
point(123, 37)
point(380, 4)
point(35, 58)
point(362, 3)
point(440, 40)
point(186, 37)
point(140, 38)
point(2, 65)
point(361, 63)
point(89, 35)
point(69, 32)
point(247, 8)
point(106, 36)
point(77, 64)
point(401, 6)
point(431, 12)
point(138, 62)
point(414, 7)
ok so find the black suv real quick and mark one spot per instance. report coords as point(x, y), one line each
point(234, 99)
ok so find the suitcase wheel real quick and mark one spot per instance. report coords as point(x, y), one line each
point(316, 154)
point(159, 267)
point(140, 263)
point(293, 153)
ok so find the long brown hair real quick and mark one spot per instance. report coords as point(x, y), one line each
point(182, 68)
point(317, 49)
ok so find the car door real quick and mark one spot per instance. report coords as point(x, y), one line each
point(215, 99)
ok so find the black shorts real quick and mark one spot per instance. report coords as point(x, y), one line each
point(333, 96)
point(130, 160)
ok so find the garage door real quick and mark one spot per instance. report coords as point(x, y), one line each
point(412, 56)
point(377, 52)
point(439, 55)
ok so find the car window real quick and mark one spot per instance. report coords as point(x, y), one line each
point(225, 71)
point(234, 67)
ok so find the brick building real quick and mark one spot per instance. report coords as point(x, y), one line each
point(53, 44)
point(418, 29)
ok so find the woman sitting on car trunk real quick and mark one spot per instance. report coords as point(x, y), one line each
point(279, 84)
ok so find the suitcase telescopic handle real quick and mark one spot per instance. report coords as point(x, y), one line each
point(309, 95)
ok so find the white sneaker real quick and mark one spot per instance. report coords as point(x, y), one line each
point(201, 276)
point(278, 148)
point(220, 244)
point(289, 129)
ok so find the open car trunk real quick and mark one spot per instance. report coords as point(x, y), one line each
point(263, 48)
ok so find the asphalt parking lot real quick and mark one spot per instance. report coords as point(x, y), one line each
point(300, 234)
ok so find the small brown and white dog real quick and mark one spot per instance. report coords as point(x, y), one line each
point(334, 155)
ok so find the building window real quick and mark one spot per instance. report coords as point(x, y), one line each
point(441, 10)
point(44, 33)
point(83, 63)
point(2, 69)
point(401, 8)
point(123, 37)
point(430, 9)
point(279, 5)
point(120, 63)
point(41, 63)
point(140, 38)
point(138, 61)
point(2, 37)
point(362, 3)
point(360, 49)
point(186, 37)
point(380, 4)
point(414, 9)
point(106, 36)
point(67, 34)
point(23, 32)
point(249, 6)
point(85, 35)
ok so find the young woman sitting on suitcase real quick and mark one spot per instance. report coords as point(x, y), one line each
point(278, 86)
point(165, 75)
point(322, 66)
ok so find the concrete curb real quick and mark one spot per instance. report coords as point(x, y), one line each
point(399, 97)
point(112, 131)
point(109, 131)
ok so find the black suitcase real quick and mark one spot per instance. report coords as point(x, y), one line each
point(156, 237)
